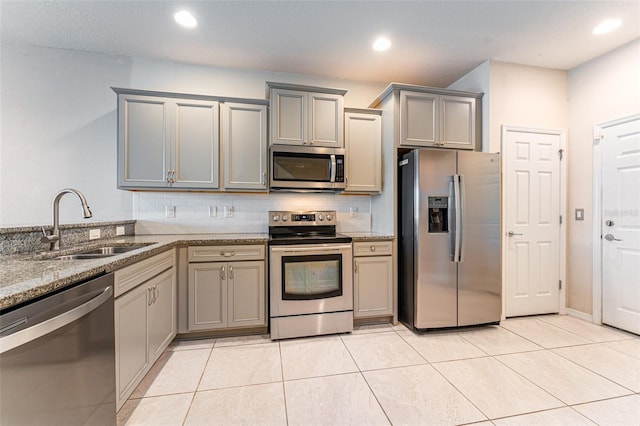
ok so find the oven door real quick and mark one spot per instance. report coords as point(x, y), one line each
point(310, 279)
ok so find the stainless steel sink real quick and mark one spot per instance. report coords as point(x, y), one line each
point(99, 252)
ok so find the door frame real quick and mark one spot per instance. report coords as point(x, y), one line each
point(596, 308)
point(562, 246)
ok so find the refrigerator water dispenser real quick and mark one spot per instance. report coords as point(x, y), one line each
point(438, 214)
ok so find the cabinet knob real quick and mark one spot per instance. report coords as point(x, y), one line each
point(373, 248)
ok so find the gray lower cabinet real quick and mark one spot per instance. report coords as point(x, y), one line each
point(226, 294)
point(373, 281)
point(145, 319)
point(363, 144)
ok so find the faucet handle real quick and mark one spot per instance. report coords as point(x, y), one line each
point(50, 239)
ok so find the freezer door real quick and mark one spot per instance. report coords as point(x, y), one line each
point(479, 286)
point(435, 273)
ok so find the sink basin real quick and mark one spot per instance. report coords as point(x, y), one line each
point(99, 252)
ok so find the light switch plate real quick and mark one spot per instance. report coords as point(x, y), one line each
point(94, 234)
point(228, 211)
point(354, 211)
point(119, 230)
point(579, 214)
point(213, 211)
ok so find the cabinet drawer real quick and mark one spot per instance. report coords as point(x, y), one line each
point(127, 278)
point(373, 248)
point(226, 253)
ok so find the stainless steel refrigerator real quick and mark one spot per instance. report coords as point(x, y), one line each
point(449, 227)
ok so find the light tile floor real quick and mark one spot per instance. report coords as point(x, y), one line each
point(544, 370)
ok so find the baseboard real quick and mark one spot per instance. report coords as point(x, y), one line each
point(579, 315)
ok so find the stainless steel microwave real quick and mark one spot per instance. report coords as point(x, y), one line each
point(307, 168)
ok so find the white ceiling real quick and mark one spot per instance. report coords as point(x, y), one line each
point(434, 42)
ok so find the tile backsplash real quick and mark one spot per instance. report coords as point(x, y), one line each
point(199, 212)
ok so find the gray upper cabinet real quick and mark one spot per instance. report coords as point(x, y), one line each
point(435, 120)
point(303, 115)
point(195, 144)
point(363, 143)
point(421, 116)
point(244, 146)
point(165, 142)
point(172, 141)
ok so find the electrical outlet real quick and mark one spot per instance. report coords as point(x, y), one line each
point(119, 230)
point(170, 211)
point(228, 211)
point(94, 234)
point(213, 211)
point(354, 211)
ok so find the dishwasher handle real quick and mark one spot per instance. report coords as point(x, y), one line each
point(27, 335)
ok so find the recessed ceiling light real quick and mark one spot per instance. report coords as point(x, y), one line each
point(185, 19)
point(381, 44)
point(607, 26)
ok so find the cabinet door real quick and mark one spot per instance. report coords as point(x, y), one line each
point(196, 147)
point(363, 141)
point(244, 145)
point(246, 294)
point(457, 122)
point(326, 120)
point(207, 296)
point(289, 117)
point(162, 312)
point(131, 325)
point(418, 119)
point(143, 141)
point(373, 286)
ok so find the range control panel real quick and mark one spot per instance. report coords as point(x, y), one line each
point(302, 218)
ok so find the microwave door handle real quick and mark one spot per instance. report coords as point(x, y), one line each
point(333, 168)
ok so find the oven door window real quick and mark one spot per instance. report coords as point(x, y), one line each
point(311, 277)
point(301, 167)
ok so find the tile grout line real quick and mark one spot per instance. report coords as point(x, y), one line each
point(284, 392)
point(195, 392)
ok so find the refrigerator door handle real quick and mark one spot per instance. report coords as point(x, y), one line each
point(461, 211)
point(453, 229)
point(457, 211)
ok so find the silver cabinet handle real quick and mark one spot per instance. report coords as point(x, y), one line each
point(222, 273)
point(230, 272)
point(227, 253)
point(49, 326)
point(355, 268)
point(511, 233)
point(168, 176)
point(173, 176)
point(264, 178)
point(610, 237)
point(149, 296)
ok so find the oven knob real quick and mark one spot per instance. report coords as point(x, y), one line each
point(285, 217)
point(329, 217)
point(275, 218)
point(320, 217)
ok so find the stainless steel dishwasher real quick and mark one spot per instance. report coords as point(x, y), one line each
point(57, 358)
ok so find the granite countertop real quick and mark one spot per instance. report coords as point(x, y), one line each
point(25, 277)
point(368, 236)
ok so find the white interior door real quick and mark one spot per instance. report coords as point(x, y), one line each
point(620, 215)
point(531, 206)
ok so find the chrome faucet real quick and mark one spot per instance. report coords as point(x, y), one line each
point(54, 238)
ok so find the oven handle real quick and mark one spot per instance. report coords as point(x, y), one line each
point(332, 248)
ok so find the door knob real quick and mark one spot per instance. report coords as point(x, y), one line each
point(609, 223)
point(610, 237)
point(511, 233)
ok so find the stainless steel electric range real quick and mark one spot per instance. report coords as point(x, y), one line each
point(310, 278)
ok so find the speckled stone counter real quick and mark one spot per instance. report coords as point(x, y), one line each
point(25, 277)
point(368, 236)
